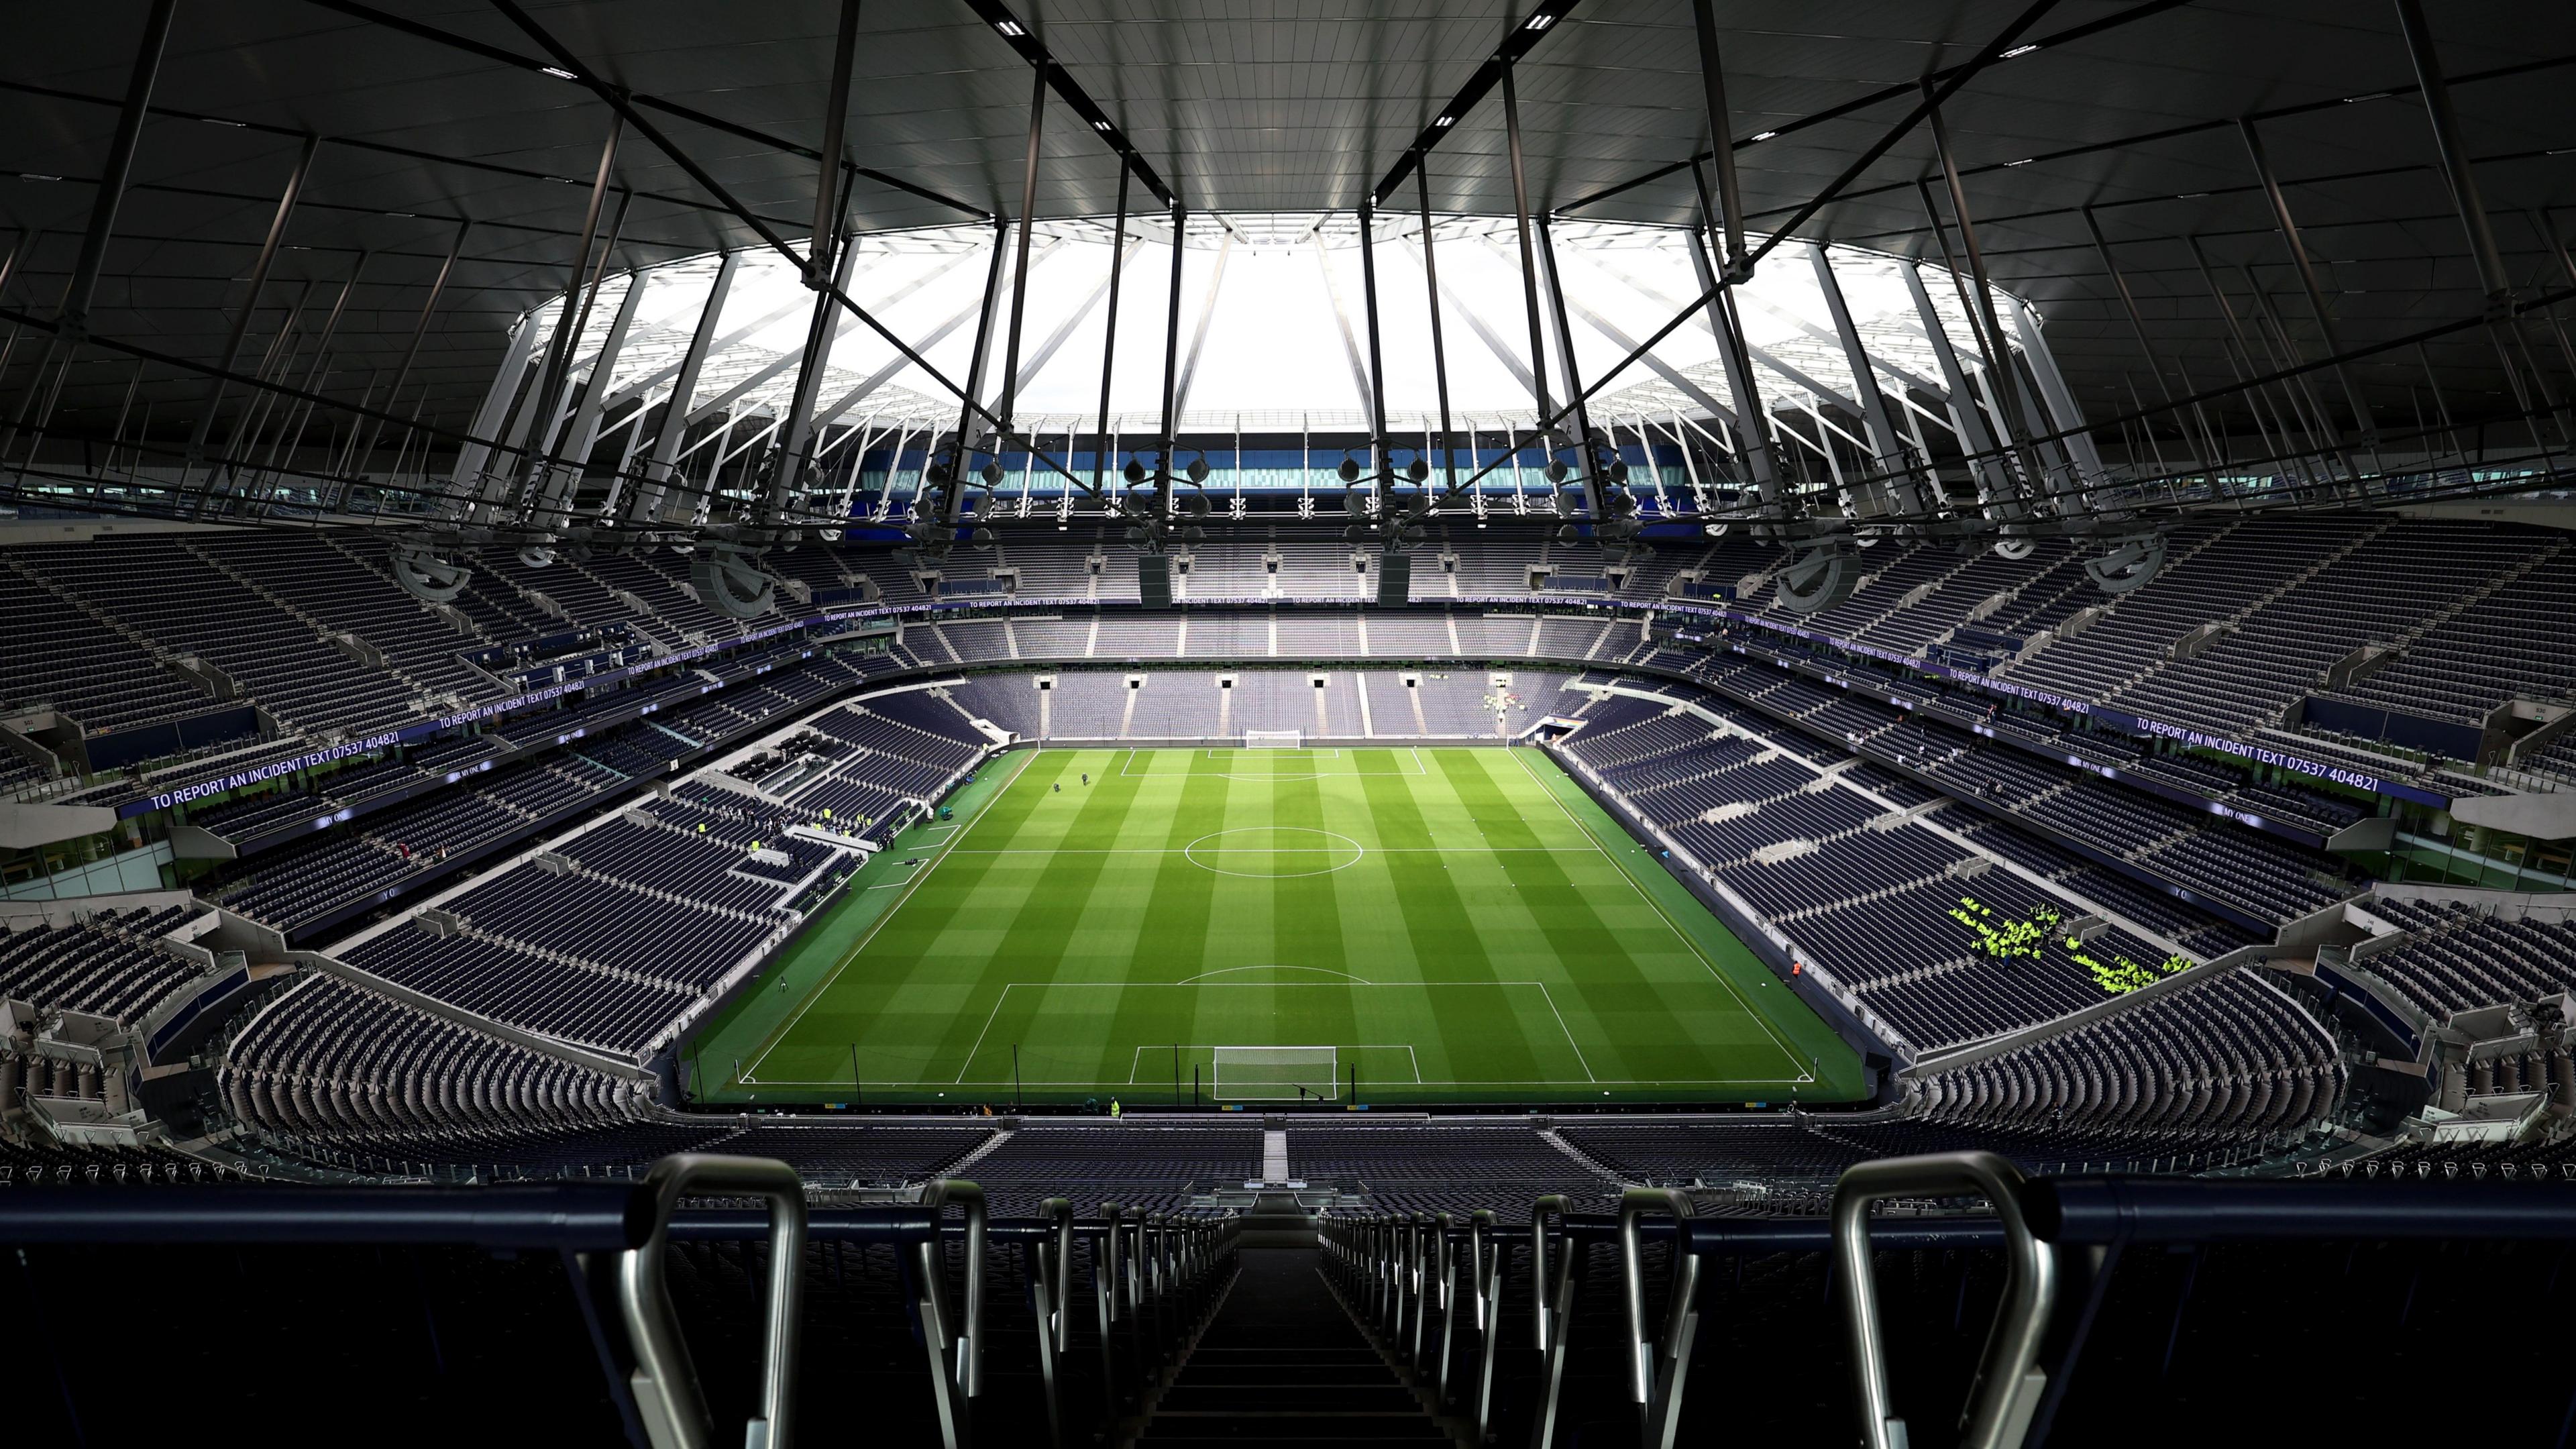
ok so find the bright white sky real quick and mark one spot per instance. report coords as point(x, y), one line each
point(1267, 338)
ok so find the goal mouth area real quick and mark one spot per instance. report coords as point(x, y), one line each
point(1274, 739)
point(1275, 1074)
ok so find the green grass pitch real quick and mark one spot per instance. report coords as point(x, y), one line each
point(1436, 925)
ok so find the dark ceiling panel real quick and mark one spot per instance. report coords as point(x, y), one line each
point(1260, 106)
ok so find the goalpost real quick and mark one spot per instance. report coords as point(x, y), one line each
point(1276, 1074)
point(1274, 739)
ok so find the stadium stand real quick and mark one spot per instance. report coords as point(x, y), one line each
point(587, 858)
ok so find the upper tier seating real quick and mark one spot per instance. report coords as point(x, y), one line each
point(104, 963)
point(2458, 958)
point(2467, 606)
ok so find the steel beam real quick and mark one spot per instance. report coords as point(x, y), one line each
point(823, 332)
point(1883, 438)
point(1342, 319)
point(507, 380)
point(2265, 413)
point(1529, 262)
point(1493, 340)
point(315, 370)
point(1712, 77)
point(1519, 36)
point(626, 106)
point(646, 508)
point(868, 386)
point(140, 79)
point(1170, 430)
point(2003, 378)
point(1673, 377)
point(952, 501)
point(198, 436)
point(1063, 333)
point(1379, 466)
point(2207, 446)
point(2363, 422)
point(563, 475)
point(1995, 495)
point(1023, 40)
point(55, 362)
point(831, 196)
point(2067, 417)
point(753, 381)
point(569, 318)
point(1020, 268)
point(1199, 333)
point(2461, 171)
point(2285, 355)
point(1431, 297)
point(1564, 338)
point(1993, 50)
point(1109, 344)
point(1754, 442)
point(2457, 167)
point(826, 256)
point(411, 350)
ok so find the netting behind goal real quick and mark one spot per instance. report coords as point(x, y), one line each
point(1277, 1074)
point(1274, 739)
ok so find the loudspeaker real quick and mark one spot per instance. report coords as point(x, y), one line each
point(1154, 579)
point(1394, 578)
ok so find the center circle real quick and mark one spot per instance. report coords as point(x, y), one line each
point(1272, 852)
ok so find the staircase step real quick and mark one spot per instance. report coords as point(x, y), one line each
point(1294, 1428)
point(1204, 1370)
point(1284, 1364)
point(1191, 1396)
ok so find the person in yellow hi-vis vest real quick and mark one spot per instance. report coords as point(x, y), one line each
point(1113, 1107)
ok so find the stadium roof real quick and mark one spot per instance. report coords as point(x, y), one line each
point(433, 114)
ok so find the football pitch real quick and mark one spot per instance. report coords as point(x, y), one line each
point(1268, 928)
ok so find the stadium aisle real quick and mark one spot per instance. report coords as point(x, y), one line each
point(1282, 1363)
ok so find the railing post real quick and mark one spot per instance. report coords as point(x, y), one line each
point(1487, 1258)
point(1552, 1307)
point(1656, 1369)
point(2009, 1383)
point(665, 1382)
point(1050, 1283)
point(1445, 1271)
point(1105, 1261)
point(955, 1350)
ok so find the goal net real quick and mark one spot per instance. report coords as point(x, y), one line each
point(1277, 1073)
point(1274, 739)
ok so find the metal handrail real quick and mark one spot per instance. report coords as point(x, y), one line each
point(1050, 1285)
point(1485, 1271)
point(1541, 1209)
point(667, 1393)
point(2008, 1384)
point(1444, 1293)
point(571, 1217)
point(956, 1353)
point(1655, 1369)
